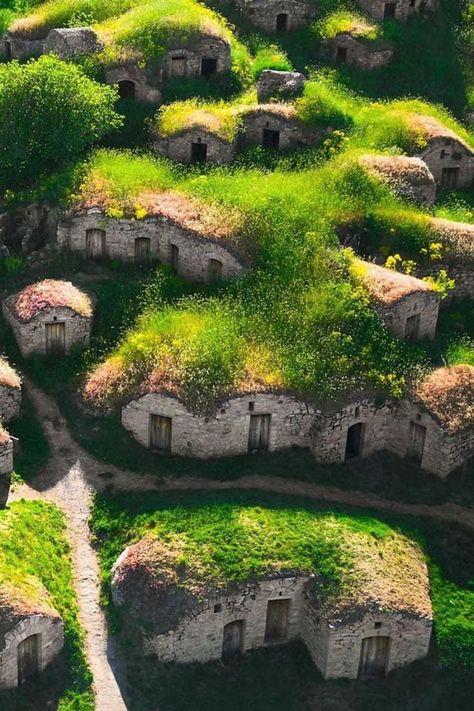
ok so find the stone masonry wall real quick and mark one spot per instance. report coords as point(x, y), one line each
point(395, 315)
point(206, 47)
point(178, 147)
point(6, 457)
point(359, 54)
point(376, 8)
point(292, 132)
point(146, 87)
point(455, 154)
point(194, 251)
point(199, 638)
point(51, 635)
point(227, 432)
point(463, 275)
point(31, 336)
point(10, 401)
point(263, 13)
point(15, 47)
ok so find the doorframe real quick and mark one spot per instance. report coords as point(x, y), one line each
point(40, 664)
point(387, 657)
point(284, 639)
point(243, 625)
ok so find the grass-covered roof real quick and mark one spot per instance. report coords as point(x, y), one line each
point(50, 294)
point(448, 393)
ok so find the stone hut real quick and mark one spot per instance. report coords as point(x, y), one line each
point(176, 231)
point(278, 16)
point(65, 42)
point(195, 144)
point(256, 421)
point(10, 392)
point(134, 82)
point(409, 178)
point(408, 306)
point(457, 240)
point(447, 155)
point(400, 10)
point(383, 622)
point(31, 637)
point(275, 84)
point(354, 50)
point(49, 317)
point(14, 45)
point(434, 428)
point(276, 126)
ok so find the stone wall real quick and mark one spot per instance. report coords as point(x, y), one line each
point(359, 54)
point(67, 42)
point(395, 316)
point(204, 48)
point(6, 457)
point(226, 433)
point(293, 133)
point(448, 153)
point(10, 402)
point(404, 8)
point(17, 47)
point(146, 86)
point(179, 146)
point(263, 13)
point(51, 635)
point(31, 336)
point(463, 275)
point(329, 432)
point(275, 84)
point(195, 251)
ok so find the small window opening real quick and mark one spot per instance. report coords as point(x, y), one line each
point(357, 411)
point(377, 625)
point(218, 607)
point(251, 406)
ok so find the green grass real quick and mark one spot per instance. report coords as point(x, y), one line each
point(33, 547)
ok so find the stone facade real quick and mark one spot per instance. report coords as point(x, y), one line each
point(347, 48)
point(450, 161)
point(276, 16)
point(6, 455)
point(422, 306)
point(67, 42)
point(226, 432)
point(50, 635)
point(182, 147)
point(275, 128)
point(10, 402)
point(401, 10)
point(194, 250)
point(206, 56)
point(14, 46)
point(134, 82)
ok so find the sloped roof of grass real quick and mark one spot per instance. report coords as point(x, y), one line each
point(431, 129)
point(387, 286)
point(448, 394)
point(354, 24)
point(357, 565)
point(397, 168)
point(49, 294)
point(220, 119)
point(8, 376)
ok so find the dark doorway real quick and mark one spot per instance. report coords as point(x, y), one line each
point(373, 657)
point(341, 55)
point(259, 433)
point(198, 152)
point(412, 327)
point(55, 338)
point(354, 441)
point(174, 257)
point(449, 178)
point(215, 270)
point(390, 11)
point(208, 67)
point(7, 49)
point(270, 138)
point(282, 22)
point(27, 658)
point(95, 244)
point(233, 641)
point(126, 89)
point(160, 433)
point(416, 443)
point(276, 629)
point(142, 249)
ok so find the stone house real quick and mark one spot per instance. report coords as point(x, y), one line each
point(257, 421)
point(175, 232)
point(276, 126)
point(434, 428)
point(277, 16)
point(408, 306)
point(277, 84)
point(384, 623)
point(447, 155)
point(16, 46)
point(400, 10)
point(49, 317)
point(195, 144)
point(65, 42)
point(356, 51)
point(10, 392)
point(31, 637)
point(408, 177)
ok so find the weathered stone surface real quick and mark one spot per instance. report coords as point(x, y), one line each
point(6, 459)
point(146, 86)
point(409, 177)
point(424, 304)
point(272, 83)
point(28, 228)
point(447, 153)
point(69, 41)
point(270, 15)
point(346, 48)
point(381, 10)
point(10, 402)
point(292, 133)
point(14, 46)
point(178, 147)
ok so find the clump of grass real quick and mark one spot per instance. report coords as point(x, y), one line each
point(219, 118)
point(344, 21)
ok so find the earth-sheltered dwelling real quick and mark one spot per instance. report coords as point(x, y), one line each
point(31, 635)
point(278, 15)
point(376, 618)
point(448, 156)
point(457, 240)
point(408, 177)
point(10, 392)
point(176, 230)
point(279, 84)
point(408, 306)
point(399, 10)
point(49, 317)
point(277, 126)
point(350, 46)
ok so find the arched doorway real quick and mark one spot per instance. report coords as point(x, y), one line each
point(28, 658)
point(233, 640)
point(282, 22)
point(142, 249)
point(126, 89)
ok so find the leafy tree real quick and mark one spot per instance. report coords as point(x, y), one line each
point(50, 113)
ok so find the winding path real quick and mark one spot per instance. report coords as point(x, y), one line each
point(72, 476)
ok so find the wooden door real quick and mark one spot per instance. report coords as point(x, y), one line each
point(178, 66)
point(215, 270)
point(95, 244)
point(27, 657)
point(126, 89)
point(55, 338)
point(373, 656)
point(412, 327)
point(142, 249)
point(160, 433)
point(276, 629)
point(354, 441)
point(449, 178)
point(270, 138)
point(416, 443)
point(174, 257)
point(233, 641)
point(259, 432)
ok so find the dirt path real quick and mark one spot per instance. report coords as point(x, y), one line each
point(71, 477)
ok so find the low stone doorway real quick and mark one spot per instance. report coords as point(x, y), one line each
point(259, 433)
point(416, 444)
point(160, 433)
point(270, 138)
point(277, 621)
point(198, 152)
point(233, 641)
point(55, 338)
point(142, 249)
point(449, 178)
point(95, 244)
point(354, 441)
point(27, 657)
point(373, 657)
point(282, 22)
point(208, 67)
point(126, 89)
